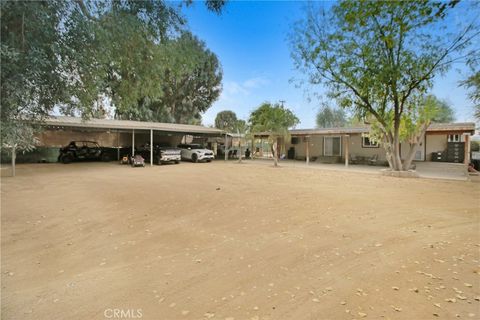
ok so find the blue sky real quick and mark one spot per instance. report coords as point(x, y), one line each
point(250, 39)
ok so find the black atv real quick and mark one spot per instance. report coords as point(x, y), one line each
point(82, 150)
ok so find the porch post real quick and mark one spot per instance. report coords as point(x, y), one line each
point(307, 150)
point(261, 146)
point(151, 147)
point(133, 142)
point(347, 140)
point(466, 159)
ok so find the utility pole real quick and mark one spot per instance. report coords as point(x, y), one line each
point(282, 102)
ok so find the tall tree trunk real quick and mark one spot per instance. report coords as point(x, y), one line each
point(411, 154)
point(387, 143)
point(14, 156)
point(397, 161)
point(413, 146)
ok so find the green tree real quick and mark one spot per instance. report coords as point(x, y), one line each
point(32, 76)
point(189, 81)
point(274, 120)
point(192, 78)
point(328, 117)
point(473, 84)
point(378, 57)
point(226, 120)
point(111, 50)
point(138, 56)
point(444, 112)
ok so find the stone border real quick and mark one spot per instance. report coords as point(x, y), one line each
point(400, 174)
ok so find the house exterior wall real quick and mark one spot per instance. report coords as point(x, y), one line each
point(435, 142)
point(355, 148)
point(430, 143)
point(405, 148)
point(315, 145)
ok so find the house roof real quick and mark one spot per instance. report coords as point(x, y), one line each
point(459, 126)
point(434, 127)
point(329, 131)
point(74, 122)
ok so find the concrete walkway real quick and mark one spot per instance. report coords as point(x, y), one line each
point(429, 170)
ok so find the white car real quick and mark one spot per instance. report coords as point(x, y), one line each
point(195, 153)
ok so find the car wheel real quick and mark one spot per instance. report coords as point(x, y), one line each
point(209, 160)
point(67, 158)
point(194, 157)
point(177, 162)
point(105, 158)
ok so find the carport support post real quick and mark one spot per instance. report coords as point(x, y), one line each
point(118, 146)
point(225, 149)
point(307, 149)
point(346, 138)
point(133, 142)
point(151, 147)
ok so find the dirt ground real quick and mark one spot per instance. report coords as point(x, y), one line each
point(236, 241)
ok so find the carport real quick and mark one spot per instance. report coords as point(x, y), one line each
point(118, 133)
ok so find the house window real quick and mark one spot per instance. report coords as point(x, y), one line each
point(367, 143)
point(455, 138)
point(332, 146)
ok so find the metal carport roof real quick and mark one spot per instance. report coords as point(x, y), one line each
point(74, 122)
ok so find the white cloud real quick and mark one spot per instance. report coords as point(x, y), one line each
point(255, 83)
point(245, 87)
point(233, 88)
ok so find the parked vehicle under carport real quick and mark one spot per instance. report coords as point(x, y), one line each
point(162, 154)
point(82, 151)
point(196, 152)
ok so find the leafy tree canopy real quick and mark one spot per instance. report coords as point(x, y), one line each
point(473, 84)
point(274, 120)
point(444, 112)
point(328, 117)
point(84, 55)
point(226, 120)
point(189, 81)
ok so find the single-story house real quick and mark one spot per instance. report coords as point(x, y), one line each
point(446, 142)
